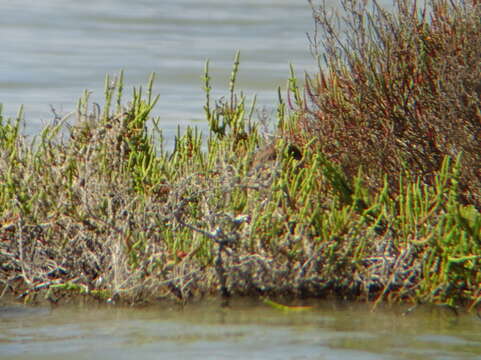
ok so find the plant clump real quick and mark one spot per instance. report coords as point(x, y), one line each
point(98, 208)
point(398, 91)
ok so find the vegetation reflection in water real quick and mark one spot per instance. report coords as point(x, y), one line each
point(369, 189)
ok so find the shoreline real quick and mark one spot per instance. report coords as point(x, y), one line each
point(227, 229)
point(346, 199)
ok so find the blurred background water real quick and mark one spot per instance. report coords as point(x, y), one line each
point(52, 50)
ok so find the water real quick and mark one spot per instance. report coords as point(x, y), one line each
point(241, 331)
point(51, 50)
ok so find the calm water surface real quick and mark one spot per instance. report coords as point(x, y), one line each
point(52, 50)
point(241, 331)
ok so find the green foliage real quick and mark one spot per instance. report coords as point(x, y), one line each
point(98, 207)
point(230, 115)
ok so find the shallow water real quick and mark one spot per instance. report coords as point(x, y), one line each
point(52, 50)
point(241, 331)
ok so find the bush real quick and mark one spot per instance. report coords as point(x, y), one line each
point(98, 208)
point(398, 92)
